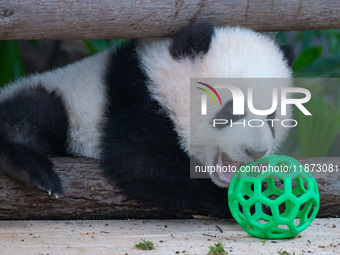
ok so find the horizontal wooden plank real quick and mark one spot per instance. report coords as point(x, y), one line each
point(168, 236)
point(90, 195)
point(104, 19)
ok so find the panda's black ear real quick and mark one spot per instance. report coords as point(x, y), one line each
point(288, 54)
point(192, 41)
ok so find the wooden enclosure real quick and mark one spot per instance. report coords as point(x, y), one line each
point(89, 195)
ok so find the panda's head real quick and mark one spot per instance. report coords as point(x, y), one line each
point(203, 51)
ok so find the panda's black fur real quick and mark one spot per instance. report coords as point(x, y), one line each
point(140, 148)
point(33, 126)
point(156, 172)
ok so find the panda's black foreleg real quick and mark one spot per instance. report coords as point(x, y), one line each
point(155, 181)
point(33, 125)
point(175, 193)
point(29, 166)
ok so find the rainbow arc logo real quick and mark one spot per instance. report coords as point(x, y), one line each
point(209, 93)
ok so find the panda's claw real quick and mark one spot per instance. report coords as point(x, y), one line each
point(49, 192)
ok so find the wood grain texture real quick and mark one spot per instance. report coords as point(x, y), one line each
point(109, 19)
point(169, 237)
point(89, 195)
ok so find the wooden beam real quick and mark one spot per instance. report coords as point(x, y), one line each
point(168, 236)
point(109, 19)
point(89, 195)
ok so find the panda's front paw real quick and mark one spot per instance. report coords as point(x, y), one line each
point(31, 167)
point(46, 179)
point(36, 170)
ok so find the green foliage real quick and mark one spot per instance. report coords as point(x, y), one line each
point(145, 245)
point(321, 60)
point(217, 249)
point(282, 252)
point(317, 132)
point(333, 37)
point(11, 63)
point(320, 57)
point(306, 58)
point(95, 46)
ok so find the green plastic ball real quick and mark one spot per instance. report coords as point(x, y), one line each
point(277, 202)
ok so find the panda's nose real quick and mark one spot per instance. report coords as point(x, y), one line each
point(255, 154)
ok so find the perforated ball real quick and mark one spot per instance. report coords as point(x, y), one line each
point(279, 201)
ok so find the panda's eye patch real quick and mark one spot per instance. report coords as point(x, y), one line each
point(226, 113)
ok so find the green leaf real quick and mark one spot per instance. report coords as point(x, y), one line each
point(11, 63)
point(100, 45)
point(327, 67)
point(306, 58)
point(95, 46)
point(89, 47)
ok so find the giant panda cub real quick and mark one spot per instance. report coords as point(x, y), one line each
point(129, 109)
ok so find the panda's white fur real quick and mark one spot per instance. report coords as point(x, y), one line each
point(83, 91)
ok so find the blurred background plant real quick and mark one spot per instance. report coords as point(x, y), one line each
point(11, 63)
point(318, 55)
point(18, 58)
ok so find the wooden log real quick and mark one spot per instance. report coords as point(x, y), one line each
point(90, 195)
point(109, 19)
